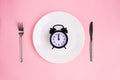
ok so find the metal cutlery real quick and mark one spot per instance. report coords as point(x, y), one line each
point(91, 40)
point(20, 32)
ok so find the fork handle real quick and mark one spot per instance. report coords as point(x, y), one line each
point(20, 46)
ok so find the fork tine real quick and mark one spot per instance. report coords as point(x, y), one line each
point(20, 26)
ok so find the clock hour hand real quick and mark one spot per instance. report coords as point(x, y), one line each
point(58, 36)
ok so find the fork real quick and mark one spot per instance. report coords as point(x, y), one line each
point(20, 32)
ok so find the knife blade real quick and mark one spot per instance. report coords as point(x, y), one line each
point(91, 40)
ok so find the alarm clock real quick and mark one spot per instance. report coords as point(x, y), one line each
point(58, 37)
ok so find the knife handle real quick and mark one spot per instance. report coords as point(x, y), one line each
point(91, 51)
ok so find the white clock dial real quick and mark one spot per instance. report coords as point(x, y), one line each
point(59, 39)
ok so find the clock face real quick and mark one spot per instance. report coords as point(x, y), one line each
point(59, 39)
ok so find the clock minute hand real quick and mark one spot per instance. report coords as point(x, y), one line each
point(58, 36)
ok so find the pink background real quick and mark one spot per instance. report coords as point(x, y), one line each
point(106, 17)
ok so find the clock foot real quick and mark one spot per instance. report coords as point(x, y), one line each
point(52, 47)
point(65, 47)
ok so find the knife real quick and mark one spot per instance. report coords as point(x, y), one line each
point(91, 40)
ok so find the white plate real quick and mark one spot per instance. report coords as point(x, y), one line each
point(75, 34)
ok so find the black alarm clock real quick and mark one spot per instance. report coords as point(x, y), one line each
point(58, 38)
